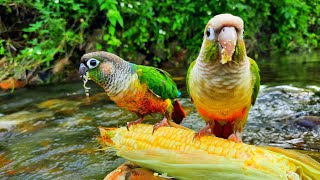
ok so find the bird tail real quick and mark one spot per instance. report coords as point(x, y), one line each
point(178, 113)
point(222, 130)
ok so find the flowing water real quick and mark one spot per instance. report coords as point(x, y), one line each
point(50, 132)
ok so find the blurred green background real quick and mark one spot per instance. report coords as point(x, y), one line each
point(42, 41)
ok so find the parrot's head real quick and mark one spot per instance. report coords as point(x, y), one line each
point(223, 39)
point(98, 66)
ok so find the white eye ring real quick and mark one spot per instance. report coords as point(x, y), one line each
point(210, 33)
point(92, 63)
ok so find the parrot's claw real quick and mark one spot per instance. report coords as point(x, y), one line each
point(138, 121)
point(235, 137)
point(163, 122)
point(203, 132)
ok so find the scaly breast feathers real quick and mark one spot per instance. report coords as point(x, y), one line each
point(224, 97)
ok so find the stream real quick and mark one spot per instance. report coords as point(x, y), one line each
point(50, 132)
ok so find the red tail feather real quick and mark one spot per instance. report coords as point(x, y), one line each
point(223, 131)
point(178, 113)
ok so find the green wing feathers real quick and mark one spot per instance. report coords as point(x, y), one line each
point(158, 81)
point(256, 80)
point(188, 75)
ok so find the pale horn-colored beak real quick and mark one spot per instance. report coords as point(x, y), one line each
point(82, 70)
point(227, 40)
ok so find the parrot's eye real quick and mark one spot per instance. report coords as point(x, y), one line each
point(92, 63)
point(210, 33)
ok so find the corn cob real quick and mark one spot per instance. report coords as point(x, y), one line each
point(174, 151)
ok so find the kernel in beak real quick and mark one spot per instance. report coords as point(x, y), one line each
point(228, 40)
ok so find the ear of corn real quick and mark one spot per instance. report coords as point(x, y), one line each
point(174, 152)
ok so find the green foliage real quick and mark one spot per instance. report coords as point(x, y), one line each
point(39, 34)
point(114, 17)
point(53, 33)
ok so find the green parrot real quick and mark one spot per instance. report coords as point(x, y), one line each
point(140, 89)
point(223, 82)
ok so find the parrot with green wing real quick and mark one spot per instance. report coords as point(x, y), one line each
point(140, 89)
point(223, 82)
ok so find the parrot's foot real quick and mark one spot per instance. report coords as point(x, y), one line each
point(203, 132)
point(138, 121)
point(235, 137)
point(163, 122)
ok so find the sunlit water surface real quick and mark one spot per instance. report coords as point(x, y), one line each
point(51, 131)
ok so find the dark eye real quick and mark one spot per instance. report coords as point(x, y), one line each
point(210, 33)
point(92, 63)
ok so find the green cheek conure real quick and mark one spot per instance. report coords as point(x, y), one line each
point(140, 89)
point(223, 82)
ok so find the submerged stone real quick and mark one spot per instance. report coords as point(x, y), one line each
point(60, 106)
point(8, 122)
point(309, 121)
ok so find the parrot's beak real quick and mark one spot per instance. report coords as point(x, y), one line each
point(227, 40)
point(82, 70)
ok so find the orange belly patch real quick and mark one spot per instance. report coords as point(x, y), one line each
point(224, 115)
point(142, 102)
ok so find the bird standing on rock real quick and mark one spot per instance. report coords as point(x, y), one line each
point(140, 89)
point(223, 82)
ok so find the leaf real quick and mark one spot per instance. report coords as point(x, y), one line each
point(106, 37)
point(120, 20)
point(101, 1)
point(114, 17)
point(114, 42)
point(98, 46)
point(110, 49)
point(112, 30)
point(103, 6)
point(2, 50)
point(34, 27)
point(76, 7)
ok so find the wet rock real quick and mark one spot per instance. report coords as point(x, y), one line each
point(273, 119)
point(35, 80)
point(4, 161)
point(309, 121)
point(314, 88)
point(96, 98)
point(60, 106)
point(76, 121)
point(8, 122)
point(30, 126)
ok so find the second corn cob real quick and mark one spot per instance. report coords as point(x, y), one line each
point(175, 152)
